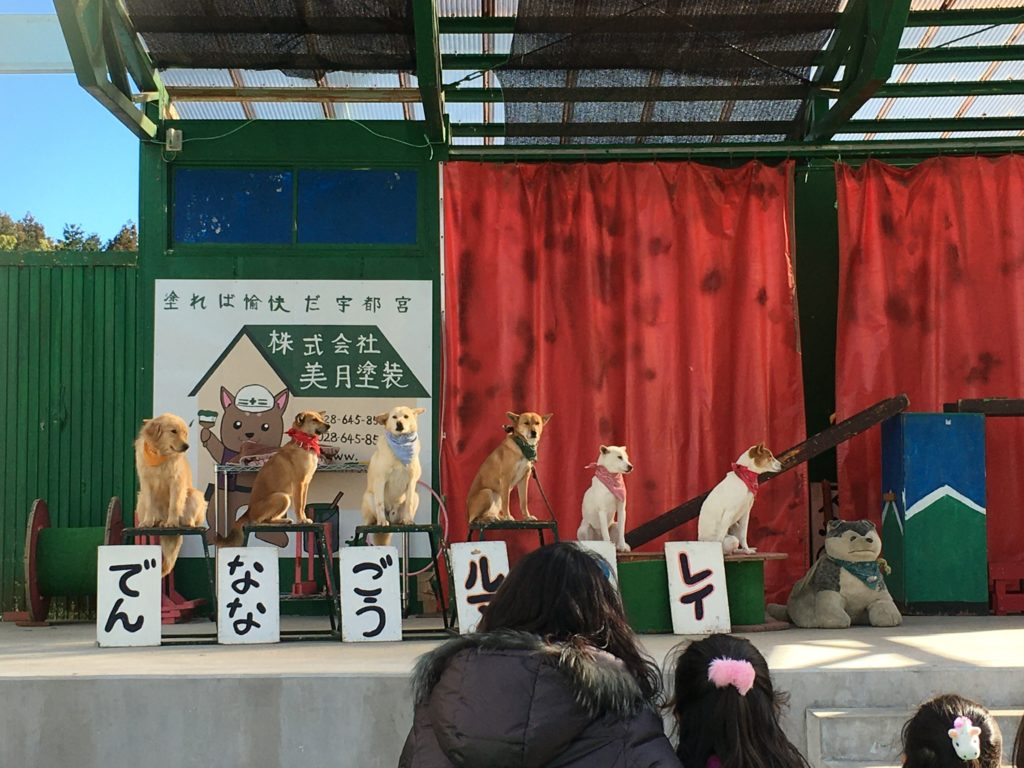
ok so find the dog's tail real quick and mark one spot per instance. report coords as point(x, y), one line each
point(380, 539)
point(170, 546)
point(777, 612)
point(233, 539)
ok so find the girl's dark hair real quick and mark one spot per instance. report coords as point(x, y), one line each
point(1018, 746)
point(742, 731)
point(561, 593)
point(926, 742)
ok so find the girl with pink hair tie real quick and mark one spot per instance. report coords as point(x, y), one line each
point(726, 710)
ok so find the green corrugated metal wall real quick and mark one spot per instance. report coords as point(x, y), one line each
point(69, 347)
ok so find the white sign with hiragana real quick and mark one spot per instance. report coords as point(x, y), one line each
point(248, 596)
point(696, 587)
point(128, 595)
point(371, 601)
point(479, 568)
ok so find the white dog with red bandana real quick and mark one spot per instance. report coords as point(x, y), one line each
point(604, 503)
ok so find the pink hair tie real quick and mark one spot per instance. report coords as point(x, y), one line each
point(735, 672)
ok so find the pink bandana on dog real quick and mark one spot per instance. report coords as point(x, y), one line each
point(612, 481)
point(748, 476)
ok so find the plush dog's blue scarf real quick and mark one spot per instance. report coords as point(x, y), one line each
point(868, 572)
point(402, 445)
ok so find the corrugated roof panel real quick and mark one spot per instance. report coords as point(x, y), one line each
point(986, 134)
point(274, 78)
point(345, 110)
point(283, 110)
point(954, 37)
point(470, 43)
point(196, 77)
point(996, 106)
point(940, 73)
point(472, 7)
point(912, 36)
point(963, 5)
point(939, 106)
point(362, 79)
point(886, 136)
point(210, 110)
point(470, 113)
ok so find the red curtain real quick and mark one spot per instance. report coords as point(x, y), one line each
point(931, 303)
point(646, 304)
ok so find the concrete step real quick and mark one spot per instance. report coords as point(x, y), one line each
point(870, 737)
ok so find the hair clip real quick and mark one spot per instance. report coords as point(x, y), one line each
point(738, 673)
point(964, 735)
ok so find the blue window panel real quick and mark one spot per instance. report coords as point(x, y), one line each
point(366, 206)
point(213, 205)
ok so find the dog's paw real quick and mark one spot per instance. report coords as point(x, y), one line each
point(528, 516)
point(746, 550)
point(623, 547)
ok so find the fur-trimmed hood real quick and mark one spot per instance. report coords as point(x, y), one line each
point(511, 699)
point(601, 682)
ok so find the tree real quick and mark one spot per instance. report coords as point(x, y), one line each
point(126, 239)
point(31, 235)
point(75, 239)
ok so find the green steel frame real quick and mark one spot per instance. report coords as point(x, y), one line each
point(109, 57)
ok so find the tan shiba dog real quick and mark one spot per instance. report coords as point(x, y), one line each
point(394, 470)
point(509, 465)
point(284, 480)
point(166, 496)
point(725, 513)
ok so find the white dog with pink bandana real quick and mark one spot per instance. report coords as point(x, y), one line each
point(604, 503)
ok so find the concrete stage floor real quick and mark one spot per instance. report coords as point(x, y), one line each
point(63, 701)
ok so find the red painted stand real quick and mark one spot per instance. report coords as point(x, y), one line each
point(1007, 584)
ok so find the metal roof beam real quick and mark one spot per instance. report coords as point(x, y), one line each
point(830, 151)
point(428, 69)
point(304, 94)
point(871, 67)
point(966, 17)
point(557, 130)
point(637, 93)
point(953, 88)
point(105, 51)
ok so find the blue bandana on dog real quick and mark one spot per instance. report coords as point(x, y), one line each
point(402, 445)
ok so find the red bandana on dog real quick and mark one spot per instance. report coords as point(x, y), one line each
point(612, 481)
point(309, 442)
point(748, 476)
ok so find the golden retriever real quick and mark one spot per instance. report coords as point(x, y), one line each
point(166, 496)
point(284, 480)
point(393, 472)
point(508, 465)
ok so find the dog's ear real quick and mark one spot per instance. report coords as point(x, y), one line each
point(418, 411)
point(300, 418)
point(226, 398)
point(152, 428)
point(381, 418)
point(323, 414)
point(513, 417)
point(833, 524)
point(604, 449)
point(546, 417)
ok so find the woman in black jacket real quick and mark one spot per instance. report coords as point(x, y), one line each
point(553, 678)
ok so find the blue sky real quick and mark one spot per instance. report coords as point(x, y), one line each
point(63, 156)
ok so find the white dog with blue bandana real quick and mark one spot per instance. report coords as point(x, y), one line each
point(394, 470)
